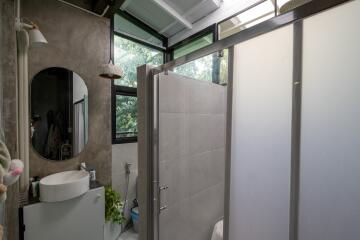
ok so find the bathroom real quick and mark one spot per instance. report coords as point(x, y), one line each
point(166, 120)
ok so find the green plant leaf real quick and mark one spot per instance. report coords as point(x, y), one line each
point(113, 206)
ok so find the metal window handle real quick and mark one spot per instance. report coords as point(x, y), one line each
point(163, 188)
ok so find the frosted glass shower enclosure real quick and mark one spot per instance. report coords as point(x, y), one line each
point(275, 152)
point(188, 150)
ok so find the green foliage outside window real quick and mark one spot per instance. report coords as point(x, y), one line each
point(126, 116)
point(224, 67)
point(204, 68)
point(129, 55)
point(201, 69)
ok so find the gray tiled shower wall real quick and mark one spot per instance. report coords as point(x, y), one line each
point(192, 156)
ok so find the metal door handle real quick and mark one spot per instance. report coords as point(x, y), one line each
point(162, 188)
point(163, 208)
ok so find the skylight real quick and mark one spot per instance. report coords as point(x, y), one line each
point(249, 18)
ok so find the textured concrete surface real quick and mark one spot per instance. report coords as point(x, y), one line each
point(8, 78)
point(80, 42)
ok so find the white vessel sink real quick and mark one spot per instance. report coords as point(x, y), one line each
point(63, 186)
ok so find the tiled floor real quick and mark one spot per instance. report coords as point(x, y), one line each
point(129, 235)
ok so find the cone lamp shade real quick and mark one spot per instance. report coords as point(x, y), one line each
point(111, 71)
point(36, 38)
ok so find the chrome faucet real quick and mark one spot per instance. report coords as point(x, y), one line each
point(83, 166)
point(91, 171)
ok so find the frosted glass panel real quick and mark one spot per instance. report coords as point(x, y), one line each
point(330, 152)
point(261, 137)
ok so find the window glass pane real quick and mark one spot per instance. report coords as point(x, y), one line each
point(194, 45)
point(126, 116)
point(129, 55)
point(211, 68)
point(224, 67)
point(201, 69)
point(288, 5)
point(122, 25)
point(249, 18)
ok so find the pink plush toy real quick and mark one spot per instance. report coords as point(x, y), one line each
point(10, 170)
point(15, 170)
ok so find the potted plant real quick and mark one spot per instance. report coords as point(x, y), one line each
point(114, 216)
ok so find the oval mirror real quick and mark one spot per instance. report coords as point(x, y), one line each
point(59, 113)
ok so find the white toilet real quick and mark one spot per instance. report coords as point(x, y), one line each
point(218, 231)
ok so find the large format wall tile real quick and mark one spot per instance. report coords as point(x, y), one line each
point(174, 97)
point(207, 208)
point(200, 133)
point(172, 136)
point(175, 222)
point(192, 156)
point(176, 175)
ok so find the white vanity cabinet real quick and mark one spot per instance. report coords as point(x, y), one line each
point(81, 218)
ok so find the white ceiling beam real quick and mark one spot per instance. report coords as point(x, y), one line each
point(190, 11)
point(174, 13)
point(227, 9)
point(125, 4)
point(167, 27)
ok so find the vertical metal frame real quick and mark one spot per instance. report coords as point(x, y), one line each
point(296, 130)
point(228, 143)
point(155, 198)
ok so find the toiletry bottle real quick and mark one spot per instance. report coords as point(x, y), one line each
point(92, 173)
point(35, 187)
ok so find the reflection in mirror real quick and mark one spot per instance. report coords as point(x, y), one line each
point(59, 113)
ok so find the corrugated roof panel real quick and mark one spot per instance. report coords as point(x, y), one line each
point(150, 13)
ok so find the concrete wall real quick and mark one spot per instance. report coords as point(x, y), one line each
point(192, 156)
point(77, 41)
point(9, 117)
point(80, 42)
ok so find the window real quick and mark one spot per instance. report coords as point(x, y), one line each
point(124, 23)
point(211, 68)
point(129, 55)
point(288, 5)
point(246, 19)
point(133, 46)
point(194, 45)
point(126, 115)
point(260, 12)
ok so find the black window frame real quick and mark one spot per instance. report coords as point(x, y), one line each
point(118, 90)
point(202, 33)
point(212, 29)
